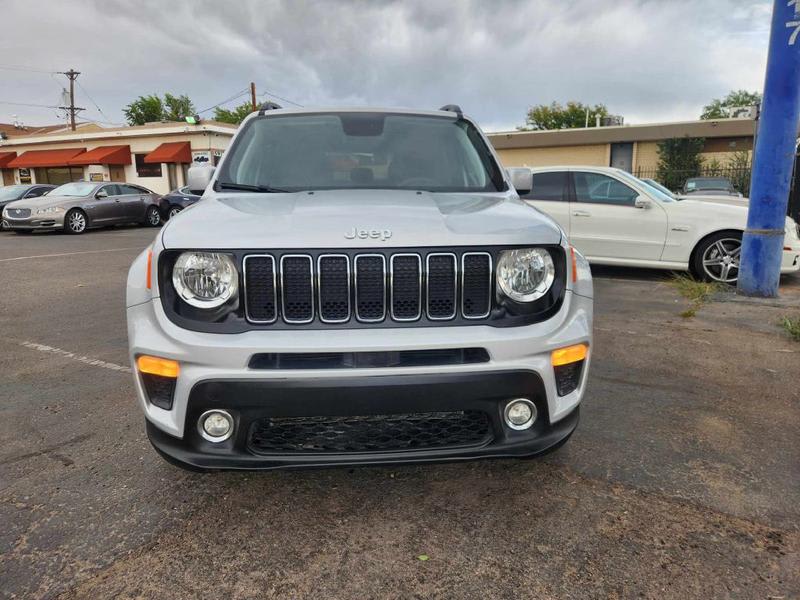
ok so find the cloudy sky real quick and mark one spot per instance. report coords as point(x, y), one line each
point(650, 61)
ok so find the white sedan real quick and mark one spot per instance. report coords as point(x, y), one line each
point(613, 218)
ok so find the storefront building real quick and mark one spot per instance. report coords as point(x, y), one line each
point(156, 156)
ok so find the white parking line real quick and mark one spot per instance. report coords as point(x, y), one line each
point(70, 253)
point(94, 362)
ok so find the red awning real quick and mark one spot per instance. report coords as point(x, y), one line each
point(5, 158)
point(104, 155)
point(45, 158)
point(170, 152)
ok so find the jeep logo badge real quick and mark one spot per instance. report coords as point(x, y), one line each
point(373, 234)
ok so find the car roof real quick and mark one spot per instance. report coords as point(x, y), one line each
point(354, 109)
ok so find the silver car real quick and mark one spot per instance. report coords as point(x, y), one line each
point(77, 206)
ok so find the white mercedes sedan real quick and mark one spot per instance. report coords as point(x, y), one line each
point(613, 218)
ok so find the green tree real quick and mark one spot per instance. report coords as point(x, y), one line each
point(717, 108)
point(679, 159)
point(177, 108)
point(145, 109)
point(150, 109)
point(740, 166)
point(558, 116)
point(234, 115)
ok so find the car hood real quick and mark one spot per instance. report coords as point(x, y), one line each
point(359, 219)
point(720, 213)
point(731, 200)
point(46, 201)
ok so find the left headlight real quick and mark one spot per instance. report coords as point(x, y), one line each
point(205, 279)
point(49, 210)
point(525, 274)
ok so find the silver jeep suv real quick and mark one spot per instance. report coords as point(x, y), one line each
point(358, 286)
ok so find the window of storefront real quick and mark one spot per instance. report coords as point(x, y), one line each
point(25, 176)
point(144, 169)
point(58, 175)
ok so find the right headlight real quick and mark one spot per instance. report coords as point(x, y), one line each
point(205, 279)
point(525, 274)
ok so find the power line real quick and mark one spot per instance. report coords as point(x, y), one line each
point(28, 104)
point(29, 69)
point(232, 98)
point(100, 110)
point(281, 98)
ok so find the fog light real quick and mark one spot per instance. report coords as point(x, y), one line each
point(520, 414)
point(216, 425)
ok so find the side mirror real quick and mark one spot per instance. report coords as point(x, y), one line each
point(199, 178)
point(101, 194)
point(642, 202)
point(521, 179)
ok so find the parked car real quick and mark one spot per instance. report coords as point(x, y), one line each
point(80, 205)
point(613, 218)
point(337, 310)
point(719, 199)
point(10, 193)
point(174, 202)
point(709, 186)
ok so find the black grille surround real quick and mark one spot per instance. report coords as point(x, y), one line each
point(384, 288)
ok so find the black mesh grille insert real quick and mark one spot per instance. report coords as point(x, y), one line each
point(334, 288)
point(405, 286)
point(375, 433)
point(297, 292)
point(477, 285)
point(366, 360)
point(370, 290)
point(441, 286)
point(259, 280)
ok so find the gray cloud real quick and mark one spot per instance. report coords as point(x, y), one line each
point(647, 60)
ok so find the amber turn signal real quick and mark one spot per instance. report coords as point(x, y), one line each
point(569, 355)
point(574, 264)
point(149, 268)
point(158, 366)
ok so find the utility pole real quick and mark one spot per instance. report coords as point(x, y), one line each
point(72, 75)
point(253, 96)
point(773, 156)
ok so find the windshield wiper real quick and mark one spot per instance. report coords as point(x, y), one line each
point(264, 189)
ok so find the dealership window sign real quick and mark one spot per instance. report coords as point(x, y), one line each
point(201, 157)
point(24, 175)
point(96, 176)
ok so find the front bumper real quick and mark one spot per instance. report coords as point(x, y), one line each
point(250, 401)
point(42, 222)
point(215, 372)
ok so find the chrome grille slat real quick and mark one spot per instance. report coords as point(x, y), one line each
point(333, 290)
point(440, 295)
point(260, 288)
point(294, 283)
point(405, 286)
point(340, 288)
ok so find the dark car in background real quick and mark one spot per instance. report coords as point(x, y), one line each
point(10, 193)
point(709, 186)
point(174, 202)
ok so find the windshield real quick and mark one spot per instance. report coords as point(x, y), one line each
point(76, 188)
point(658, 194)
point(708, 184)
point(360, 150)
point(11, 192)
point(658, 190)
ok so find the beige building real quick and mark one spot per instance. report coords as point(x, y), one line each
point(630, 147)
point(156, 155)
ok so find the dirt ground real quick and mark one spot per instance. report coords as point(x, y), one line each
point(682, 481)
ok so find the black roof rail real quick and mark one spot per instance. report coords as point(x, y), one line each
point(453, 108)
point(268, 106)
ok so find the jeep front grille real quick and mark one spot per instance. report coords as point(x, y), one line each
point(367, 288)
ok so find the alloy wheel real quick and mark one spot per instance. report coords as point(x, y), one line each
point(174, 211)
point(721, 260)
point(77, 222)
point(153, 216)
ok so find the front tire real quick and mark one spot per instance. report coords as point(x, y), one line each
point(717, 257)
point(152, 217)
point(75, 222)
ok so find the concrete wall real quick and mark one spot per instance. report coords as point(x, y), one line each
point(596, 155)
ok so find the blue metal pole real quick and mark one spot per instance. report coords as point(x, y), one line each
point(773, 156)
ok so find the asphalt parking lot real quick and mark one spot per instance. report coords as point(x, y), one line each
point(683, 479)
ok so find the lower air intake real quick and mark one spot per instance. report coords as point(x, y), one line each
point(374, 433)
